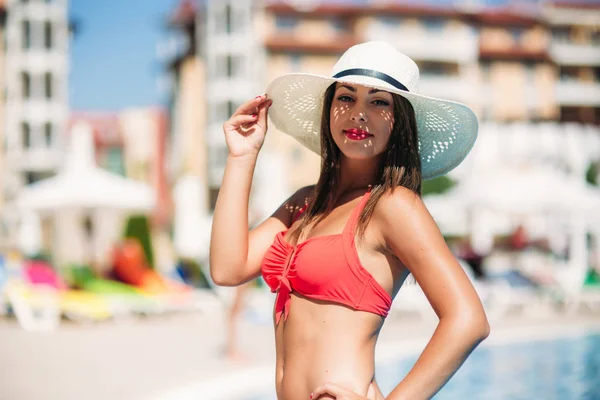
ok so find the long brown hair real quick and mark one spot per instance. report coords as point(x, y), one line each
point(400, 165)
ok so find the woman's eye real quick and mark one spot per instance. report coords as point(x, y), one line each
point(381, 103)
point(345, 98)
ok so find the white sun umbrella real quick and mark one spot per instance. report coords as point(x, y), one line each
point(528, 190)
point(82, 185)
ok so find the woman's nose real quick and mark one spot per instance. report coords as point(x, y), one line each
point(358, 116)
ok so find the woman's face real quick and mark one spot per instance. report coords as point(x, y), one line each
point(361, 120)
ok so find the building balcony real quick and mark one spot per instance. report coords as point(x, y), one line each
point(444, 46)
point(577, 93)
point(512, 53)
point(575, 54)
point(288, 43)
point(42, 60)
point(35, 159)
point(41, 111)
point(454, 88)
point(240, 89)
point(226, 43)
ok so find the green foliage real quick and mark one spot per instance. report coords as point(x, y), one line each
point(78, 275)
point(138, 227)
point(591, 175)
point(437, 185)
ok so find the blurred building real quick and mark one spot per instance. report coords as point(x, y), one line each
point(2, 91)
point(231, 46)
point(523, 67)
point(517, 75)
point(575, 49)
point(188, 149)
point(36, 69)
point(524, 63)
point(212, 50)
point(35, 73)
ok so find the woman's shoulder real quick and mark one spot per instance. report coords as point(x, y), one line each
point(399, 199)
point(400, 207)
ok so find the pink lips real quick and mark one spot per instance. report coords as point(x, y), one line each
point(357, 134)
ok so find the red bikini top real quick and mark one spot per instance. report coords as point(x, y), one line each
point(324, 268)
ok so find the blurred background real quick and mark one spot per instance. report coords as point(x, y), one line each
point(112, 154)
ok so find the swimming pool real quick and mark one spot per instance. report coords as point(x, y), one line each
point(561, 369)
point(558, 369)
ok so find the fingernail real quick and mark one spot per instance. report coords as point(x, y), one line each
point(254, 115)
point(257, 97)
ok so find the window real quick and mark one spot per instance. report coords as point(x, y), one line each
point(228, 66)
point(48, 85)
point(595, 38)
point(26, 30)
point(389, 21)
point(338, 25)
point(295, 63)
point(25, 135)
point(568, 74)
point(485, 70)
point(517, 34)
point(228, 18)
point(437, 69)
point(48, 35)
point(33, 177)
point(434, 24)
point(233, 65)
point(25, 85)
point(561, 34)
point(48, 134)
point(114, 161)
point(285, 23)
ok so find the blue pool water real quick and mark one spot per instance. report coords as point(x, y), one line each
point(560, 369)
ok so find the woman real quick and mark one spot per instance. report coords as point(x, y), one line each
point(338, 252)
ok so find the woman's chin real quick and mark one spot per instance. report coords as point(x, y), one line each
point(365, 153)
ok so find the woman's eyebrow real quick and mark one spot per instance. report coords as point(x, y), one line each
point(353, 89)
point(350, 88)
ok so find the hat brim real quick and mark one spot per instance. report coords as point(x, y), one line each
point(447, 130)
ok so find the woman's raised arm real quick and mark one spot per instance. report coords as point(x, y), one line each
point(245, 134)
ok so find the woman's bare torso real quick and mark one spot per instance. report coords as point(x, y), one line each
point(321, 343)
point(326, 342)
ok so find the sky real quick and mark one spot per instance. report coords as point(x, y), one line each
point(113, 54)
point(114, 62)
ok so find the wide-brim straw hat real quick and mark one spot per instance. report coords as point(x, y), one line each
point(447, 130)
